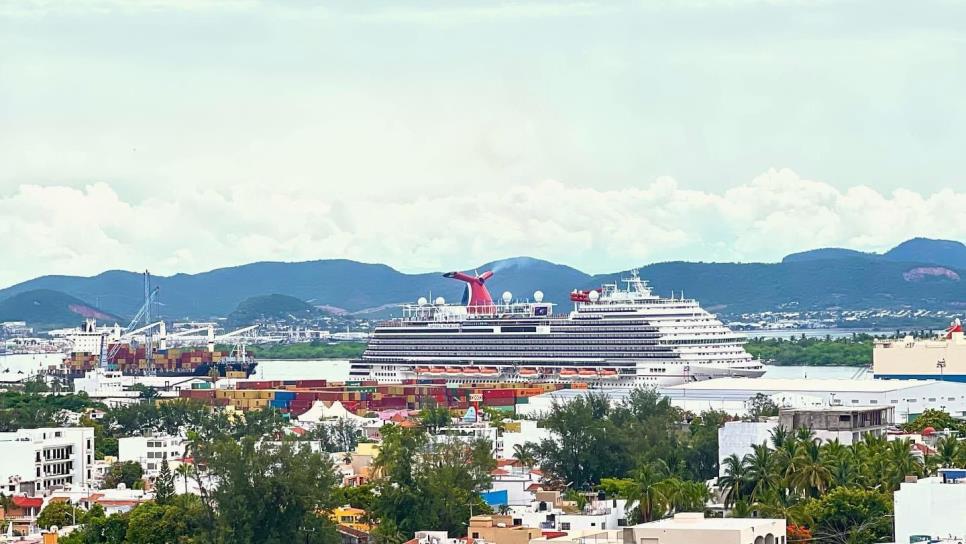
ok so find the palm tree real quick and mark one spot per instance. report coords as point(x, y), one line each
point(525, 454)
point(760, 469)
point(808, 472)
point(779, 435)
point(734, 480)
point(183, 470)
point(902, 462)
point(948, 452)
point(804, 434)
point(646, 491)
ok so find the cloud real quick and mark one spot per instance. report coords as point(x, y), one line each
point(85, 230)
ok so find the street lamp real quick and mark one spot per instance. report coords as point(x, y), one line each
point(941, 364)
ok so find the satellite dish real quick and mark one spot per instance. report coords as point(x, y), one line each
point(538, 296)
point(440, 301)
point(593, 296)
point(422, 301)
point(507, 297)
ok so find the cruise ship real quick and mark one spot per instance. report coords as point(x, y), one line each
point(616, 336)
point(942, 357)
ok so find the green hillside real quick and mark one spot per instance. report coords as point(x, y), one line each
point(45, 309)
point(270, 307)
point(831, 278)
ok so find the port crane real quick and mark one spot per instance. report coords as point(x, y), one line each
point(109, 354)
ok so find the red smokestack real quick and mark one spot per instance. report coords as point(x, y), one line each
point(479, 300)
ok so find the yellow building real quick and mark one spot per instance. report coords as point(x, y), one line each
point(351, 517)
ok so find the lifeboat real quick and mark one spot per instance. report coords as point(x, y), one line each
point(587, 373)
point(454, 370)
point(436, 370)
point(528, 372)
point(490, 371)
point(568, 373)
point(608, 374)
point(472, 371)
point(422, 370)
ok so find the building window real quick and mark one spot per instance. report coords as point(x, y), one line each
point(564, 526)
point(476, 535)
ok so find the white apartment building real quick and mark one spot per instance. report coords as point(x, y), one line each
point(550, 513)
point(932, 507)
point(150, 450)
point(39, 461)
point(519, 433)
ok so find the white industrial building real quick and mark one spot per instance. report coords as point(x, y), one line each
point(732, 395)
point(932, 507)
point(148, 451)
point(39, 461)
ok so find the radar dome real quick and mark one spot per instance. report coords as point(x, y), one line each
point(440, 301)
point(538, 296)
point(593, 296)
point(507, 297)
point(422, 301)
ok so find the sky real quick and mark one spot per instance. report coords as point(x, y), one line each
point(187, 135)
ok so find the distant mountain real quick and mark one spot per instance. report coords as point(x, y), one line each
point(45, 309)
point(924, 250)
point(826, 253)
point(337, 284)
point(831, 277)
point(948, 253)
point(275, 306)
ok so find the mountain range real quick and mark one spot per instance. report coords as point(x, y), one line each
point(919, 273)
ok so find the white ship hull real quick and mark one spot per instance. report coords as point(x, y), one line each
point(655, 374)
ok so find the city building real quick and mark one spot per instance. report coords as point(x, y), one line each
point(693, 527)
point(37, 461)
point(500, 530)
point(520, 432)
point(737, 438)
point(549, 512)
point(348, 516)
point(847, 424)
point(148, 451)
point(931, 508)
point(519, 482)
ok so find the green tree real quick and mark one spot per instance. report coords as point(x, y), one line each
point(60, 514)
point(852, 515)
point(428, 485)
point(270, 492)
point(164, 484)
point(434, 418)
point(127, 473)
point(525, 454)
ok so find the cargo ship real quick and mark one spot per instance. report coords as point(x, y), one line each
point(615, 336)
point(942, 357)
point(136, 360)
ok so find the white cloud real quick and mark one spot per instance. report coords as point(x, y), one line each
point(90, 229)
